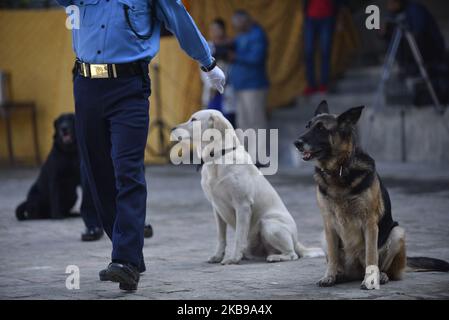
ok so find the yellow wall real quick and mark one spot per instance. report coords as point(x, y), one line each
point(35, 47)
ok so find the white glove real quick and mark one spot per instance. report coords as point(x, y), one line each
point(216, 78)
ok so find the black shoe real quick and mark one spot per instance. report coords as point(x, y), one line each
point(124, 273)
point(104, 274)
point(148, 231)
point(92, 234)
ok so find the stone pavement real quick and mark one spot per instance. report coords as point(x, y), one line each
point(34, 255)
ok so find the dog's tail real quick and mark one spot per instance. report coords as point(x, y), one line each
point(424, 264)
point(305, 252)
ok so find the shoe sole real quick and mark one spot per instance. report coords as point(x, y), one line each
point(90, 239)
point(127, 286)
point(106, 278)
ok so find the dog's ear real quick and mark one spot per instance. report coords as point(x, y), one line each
point(218, 123)
point(350, 117)
point(322, 108)
point(228, 136)
point(55, 123)
point(55, 127)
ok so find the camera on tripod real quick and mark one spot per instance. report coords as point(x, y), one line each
point(402, 29)
point(221, 51)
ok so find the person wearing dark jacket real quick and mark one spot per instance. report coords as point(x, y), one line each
point(248, 75)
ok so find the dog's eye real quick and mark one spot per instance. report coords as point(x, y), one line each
point(194, 119)
point(320, 126)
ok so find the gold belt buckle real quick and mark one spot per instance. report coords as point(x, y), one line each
point(99, 71)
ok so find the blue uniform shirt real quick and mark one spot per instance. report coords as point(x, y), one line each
point(105, 36)
point(248, 71)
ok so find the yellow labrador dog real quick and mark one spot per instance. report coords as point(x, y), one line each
point(240, 195)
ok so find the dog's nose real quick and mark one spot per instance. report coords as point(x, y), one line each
point(299, 144)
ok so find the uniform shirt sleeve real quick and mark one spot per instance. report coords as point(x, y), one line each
point(64, 3)
point(180, 23)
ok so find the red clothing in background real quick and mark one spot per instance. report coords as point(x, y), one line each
point(320, 9)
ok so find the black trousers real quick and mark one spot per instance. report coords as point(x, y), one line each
point(112, 117)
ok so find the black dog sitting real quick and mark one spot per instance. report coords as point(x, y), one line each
point(53, 195)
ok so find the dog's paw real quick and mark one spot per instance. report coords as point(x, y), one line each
point(367, 286)
point(215, 259)
point(231, 261)
point(326, 281)
point(274, 258)
point(282, 257)
point(372, 278)
point(384, 278)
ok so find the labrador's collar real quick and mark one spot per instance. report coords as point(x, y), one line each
point(212, 155)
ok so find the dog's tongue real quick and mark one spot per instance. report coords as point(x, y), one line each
point(66, 138)
point(306, 155)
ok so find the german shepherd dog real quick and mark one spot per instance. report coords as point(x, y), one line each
point(363, 240)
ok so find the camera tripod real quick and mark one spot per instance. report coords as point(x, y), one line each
point(400, 31)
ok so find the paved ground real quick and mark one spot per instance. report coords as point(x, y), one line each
point(34, 255)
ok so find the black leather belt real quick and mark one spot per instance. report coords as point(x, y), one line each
point(110, 70)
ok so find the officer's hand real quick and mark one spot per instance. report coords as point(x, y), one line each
point(216, 78)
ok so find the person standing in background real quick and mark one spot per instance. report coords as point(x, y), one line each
point(219, 44)
point(248, 75)
point(319, 22)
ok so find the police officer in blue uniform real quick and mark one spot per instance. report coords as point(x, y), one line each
point(114, 44)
